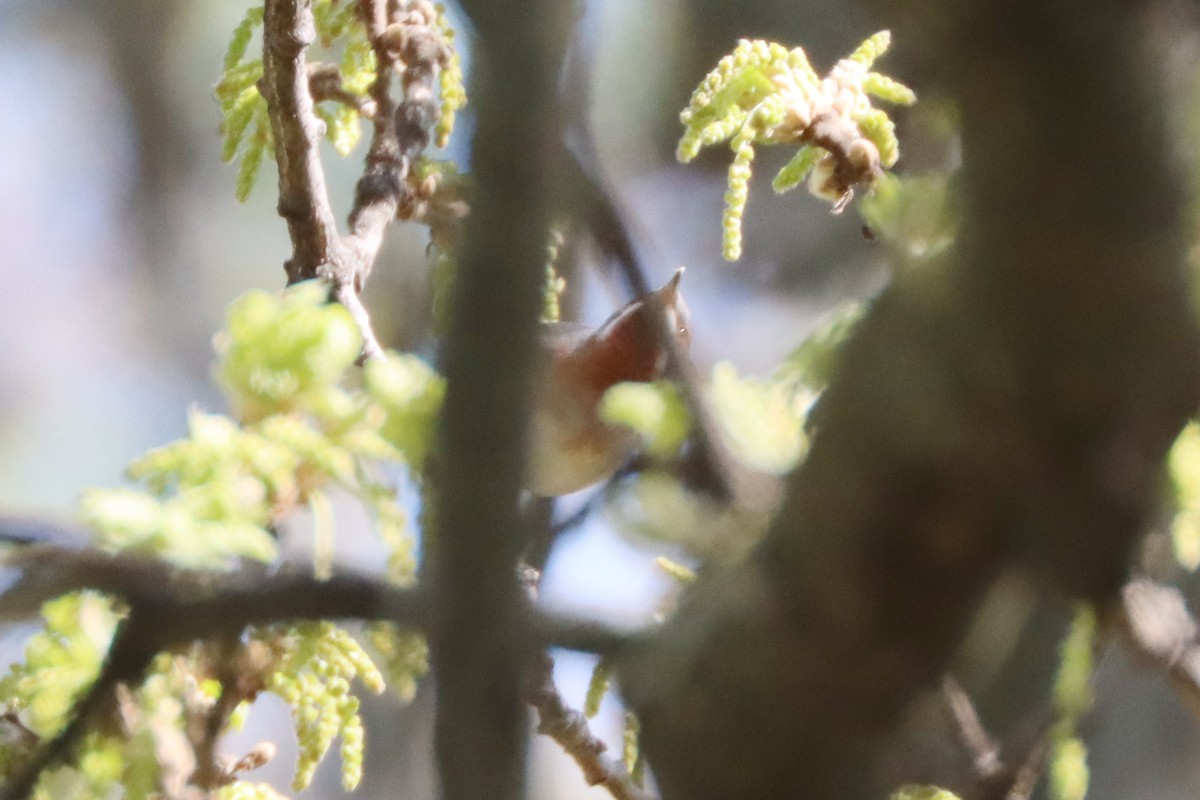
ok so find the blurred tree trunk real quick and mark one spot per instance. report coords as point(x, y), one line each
point(1012, 406)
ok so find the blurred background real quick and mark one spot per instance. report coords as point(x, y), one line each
point(121, 246)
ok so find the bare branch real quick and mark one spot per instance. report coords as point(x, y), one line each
point(974, 738)
point(325, 83)
point(288, 30)
point(400, 134)
point(570, 729)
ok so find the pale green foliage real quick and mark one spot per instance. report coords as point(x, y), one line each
point(60, 662)
point(763, 93)
point(922, 793)
point(554, 285)
point(334, 19)
point(915, 216)
point(598, 686)
point(655, 411)
point(402, 656)
point(338, 23)
point(452, 94)
point(762, 421)
point(156, 725)
point(1073, 684)
point(1185, 475)
point(410, 394)
point(795, 171)
point(244, 790)
point(811, 365)
point(318, 663)
point(245, 125)
point(1069, 774)
point(631, 753)
point(97, 771)
point(278, 355)
point(674, 569)
point(208, 500)
point(184, 529)
point(1072, 699)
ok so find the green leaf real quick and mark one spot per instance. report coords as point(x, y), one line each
point(1069, 774)
point(318, 664)
point(61, 661)
point(811, 364)
point(242, 35)
point(655, 411)
point(914, 215)
point(278, 352)
point(913, 792)
point(1184, 466)
point(796, 170)
point(252, 159)
point(598, 686)
point(760, 420)
point(237, 121)
point(411, 395)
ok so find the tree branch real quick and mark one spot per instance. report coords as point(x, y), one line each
point(570, 729)
point(480, 646)
point(400, 133)
point(288, 30)
point(169, 608)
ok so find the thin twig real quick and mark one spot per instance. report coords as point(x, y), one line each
point(983, 749)
point(325, 83)
point(570, 729)
point(401, 132)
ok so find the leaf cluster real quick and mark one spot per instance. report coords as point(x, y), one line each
point(217, 497)
point(764, 93)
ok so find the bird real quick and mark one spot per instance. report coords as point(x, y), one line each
point(570, 446)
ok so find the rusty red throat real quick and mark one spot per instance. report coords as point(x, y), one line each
point(570, 446)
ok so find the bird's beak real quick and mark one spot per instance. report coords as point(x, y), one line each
point(671, 288)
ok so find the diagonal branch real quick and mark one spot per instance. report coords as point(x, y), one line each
point(404, 41)
point(571, 731)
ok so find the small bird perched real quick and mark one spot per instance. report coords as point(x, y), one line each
point(571, 447)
